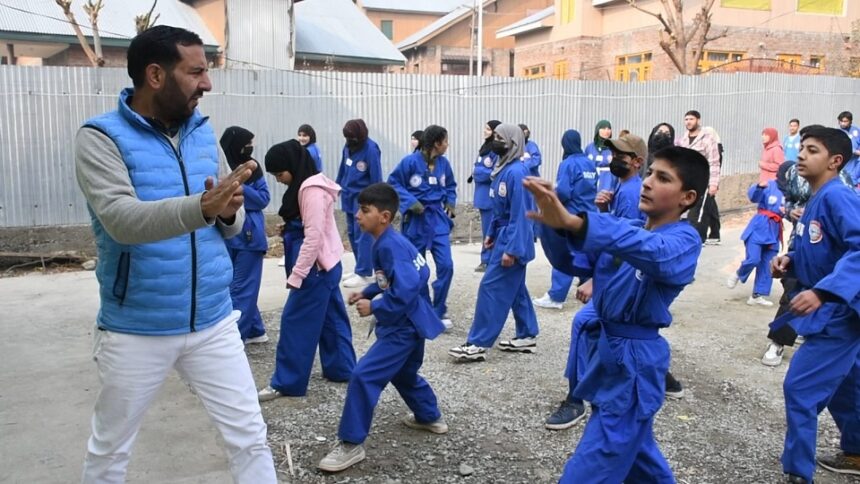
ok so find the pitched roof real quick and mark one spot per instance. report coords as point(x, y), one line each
point(27, 19)
point(539, 20)
point(415, 6)
point(337, 29)
point(434, 28)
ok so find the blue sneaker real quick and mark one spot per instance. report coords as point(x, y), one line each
point(566, 416)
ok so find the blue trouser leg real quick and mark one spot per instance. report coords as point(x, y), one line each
point(486, 219)
point(845, 409)
point(615, 449)
point(496, 294)
point(303, 324)
point(763, 277)
point(818, 368)
point(752, 260)
point(337, 356)
point(578, 354)
point(525, 319)
point(244, 290)
point(396, 358)
point(560, 286)
point(441, 250)
point(362, 247)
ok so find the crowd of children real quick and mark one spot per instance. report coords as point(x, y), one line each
point(613, 221)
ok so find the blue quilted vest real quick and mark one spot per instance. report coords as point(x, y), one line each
point(171, 286)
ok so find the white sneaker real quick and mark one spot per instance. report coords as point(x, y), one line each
point(468, 352)
point(282, 261)
point(759, 301)
point(359, 281)
point(437, 427)
point(773, 355)
point(732, 281)
point(268, 393)
point(546, 302)
point(342, 457)
point(264, 338)
point(448, 324)
point(713, 242)
point(522, 345)
point(346, 276)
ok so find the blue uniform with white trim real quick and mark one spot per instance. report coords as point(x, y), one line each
point(504, 288)
point(405, 319)
point(825, 370)
point(852, 167)
point(625, 373)
point(430, 230)
point(358, 170)
point(576, 188)
point(605, 179)
point(481, 176)
point(762, 236)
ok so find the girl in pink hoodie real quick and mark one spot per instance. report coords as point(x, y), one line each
point(772, 157)
point(314, 314)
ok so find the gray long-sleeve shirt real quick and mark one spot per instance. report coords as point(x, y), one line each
point(106, 184)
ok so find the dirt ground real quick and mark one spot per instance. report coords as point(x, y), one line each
point(728, 428)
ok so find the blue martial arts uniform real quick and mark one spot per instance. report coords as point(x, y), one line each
point(763, 236)
point(504, 288)
point(576, 188)
point(852, 167)
point(825, 370)
point(430, 230)
point(316, 155)
point(481, 176)
point(358, 170)
point(605, 179)
point(313, 315)
point(247, 251)
point(405, 319)
point(791, 147)
point(532, 158)
point(624, 377)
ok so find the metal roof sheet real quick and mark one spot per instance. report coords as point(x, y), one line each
point(527, 24)
point(416, 6)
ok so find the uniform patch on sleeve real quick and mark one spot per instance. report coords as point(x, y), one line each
point(381, 280)
point(415, 181)
point(815, 233)
point(361, 166)
point(503, 189)
point(488, 162)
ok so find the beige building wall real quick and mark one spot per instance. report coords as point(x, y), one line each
point(214, 15)
point(403, 24)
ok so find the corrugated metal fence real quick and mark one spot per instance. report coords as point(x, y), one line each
point(41, 108)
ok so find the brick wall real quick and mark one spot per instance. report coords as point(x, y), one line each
point(595, 58)
point(429, 59)
point(75, 56)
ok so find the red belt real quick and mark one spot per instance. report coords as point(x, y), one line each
point(776, 218)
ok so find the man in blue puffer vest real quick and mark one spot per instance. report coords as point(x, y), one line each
point(147, 171)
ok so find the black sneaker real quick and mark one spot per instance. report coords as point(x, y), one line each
point(481, 267)
point(792, 479)
point(841, 463)
point(566, 416)
point(674, 389)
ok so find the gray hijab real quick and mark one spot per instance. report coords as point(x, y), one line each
point(514, 140)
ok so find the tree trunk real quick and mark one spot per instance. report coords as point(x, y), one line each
point(66, 5)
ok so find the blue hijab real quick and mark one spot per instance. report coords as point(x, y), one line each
point(571, 143)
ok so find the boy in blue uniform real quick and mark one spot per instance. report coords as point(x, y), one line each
point(427, 190)
point(577, 188)
point(762, 239)
point(825, 370)
point(531, 153)
point(511, 239)
point(627, 362)
point(791, 142)
point(404, 320)
point(628, 154)
point(852, 166)
point(360, 167)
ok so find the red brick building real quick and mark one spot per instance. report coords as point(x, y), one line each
point(608, 39)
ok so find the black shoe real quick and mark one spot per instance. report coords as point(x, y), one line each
point(566, 416)
point(841, 463)
point(673, 387)
point(792, 479)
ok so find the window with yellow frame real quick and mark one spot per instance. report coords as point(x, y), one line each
point(535, 72)
point(714, 58)
point(559, 69)
point(746, 4)
point(789, 61)
point(633, 67)
point(817, 61)
point(826, 7)
point(567, 11)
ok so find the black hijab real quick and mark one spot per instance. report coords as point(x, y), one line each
point(656, 142)
point(291, 156)
point(233, 142)
point(488, 142)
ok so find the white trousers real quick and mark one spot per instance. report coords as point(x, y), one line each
point(132, 369)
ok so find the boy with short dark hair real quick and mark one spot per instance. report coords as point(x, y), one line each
point(825, 309)
point(404, 318)
point(625, 372)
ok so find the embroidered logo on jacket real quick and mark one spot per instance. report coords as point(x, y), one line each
point(815, 234)
point(415, 181)
point(381, 280)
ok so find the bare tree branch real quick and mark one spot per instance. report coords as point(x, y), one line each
point(66, 5)
point(659, 17)
point(145, 21)
point(92, 10)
